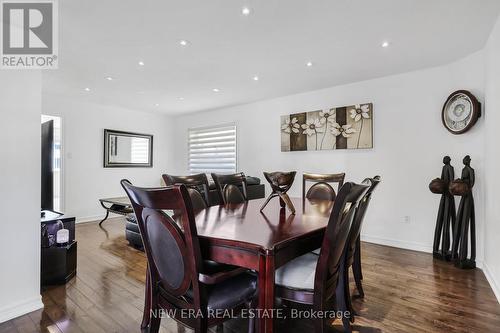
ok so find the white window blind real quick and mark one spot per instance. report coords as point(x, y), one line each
point(139, 150)
point(212, 149)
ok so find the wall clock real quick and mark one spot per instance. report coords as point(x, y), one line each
point(460, 112)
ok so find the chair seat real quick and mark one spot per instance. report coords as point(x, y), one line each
point(298, 273)
point(228, 294)
point(211, 267)
point(232, 292)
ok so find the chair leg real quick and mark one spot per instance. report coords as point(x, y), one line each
point(356, 268)
point(343, 297)
point(358, 280)
point(154, 326)
point(347, 295)
point(347, 325)
point(319, 326)
point(201, 326)
point(147, 302)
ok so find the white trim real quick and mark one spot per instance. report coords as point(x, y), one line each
point(492, 281)
point(20, 308)
point(397, 243)
point(96, 218)
point(413, 246)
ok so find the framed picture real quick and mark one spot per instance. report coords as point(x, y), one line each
point(347, 127)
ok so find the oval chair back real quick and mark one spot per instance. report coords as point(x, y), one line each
point(198, 182)
point(321, 190)
point(174, 257)
point(231, 189)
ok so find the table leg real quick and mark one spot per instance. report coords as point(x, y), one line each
point(105, 217)
point(266, 293)
point(262, 293)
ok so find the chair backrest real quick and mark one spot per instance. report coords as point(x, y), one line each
point(321, 190)
point(335, 239)
point(359, 217)
point(174, 257)
point(198, 182)
point(231, 188)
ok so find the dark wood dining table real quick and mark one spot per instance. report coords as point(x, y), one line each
point(242, 235)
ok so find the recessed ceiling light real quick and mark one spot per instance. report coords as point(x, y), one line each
point(87, 89)
point(141, 63)
point(245, 11)
point(109, 78)
point(157, 104)
point(385, 44)
point(309, 64)
point(256, 78)
point(215, 90)
point(183, 42)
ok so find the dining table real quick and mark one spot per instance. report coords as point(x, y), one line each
point(243, 235)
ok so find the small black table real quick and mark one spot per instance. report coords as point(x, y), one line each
point(58, 263)
point(118, 205)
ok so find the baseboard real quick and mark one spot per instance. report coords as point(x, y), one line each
point(491, 280)
point(396, 243)
point(428, 249)
point(95, 218)
point(21, 308)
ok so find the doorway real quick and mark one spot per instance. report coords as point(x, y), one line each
point(51, 173)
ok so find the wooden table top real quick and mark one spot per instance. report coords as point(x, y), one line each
point(245, 224)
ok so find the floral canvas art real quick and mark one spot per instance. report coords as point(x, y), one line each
point(348, 127)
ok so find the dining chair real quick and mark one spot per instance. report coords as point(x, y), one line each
point(353, 248)
point(321, 190)
point(177, 276)
point(197, 185)
point(231, 189)
point(313, 279)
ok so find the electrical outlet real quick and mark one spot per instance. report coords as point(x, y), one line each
point(406, 219)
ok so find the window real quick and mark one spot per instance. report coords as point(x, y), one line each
point(212, 149)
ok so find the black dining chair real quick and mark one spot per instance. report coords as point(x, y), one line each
point(321, 190)
point(313, 279)
point(197, 185)
point(231, 189)
point(177, 277)
point(353, 253)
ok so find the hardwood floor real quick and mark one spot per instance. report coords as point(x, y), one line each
point(406, 291)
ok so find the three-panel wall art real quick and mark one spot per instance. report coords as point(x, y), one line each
point(347, 127)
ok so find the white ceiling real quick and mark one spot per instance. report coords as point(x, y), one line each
point(227, 49)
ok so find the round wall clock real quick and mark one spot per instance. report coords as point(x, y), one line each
point(460, 112)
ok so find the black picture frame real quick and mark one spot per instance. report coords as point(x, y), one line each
point(107, 151)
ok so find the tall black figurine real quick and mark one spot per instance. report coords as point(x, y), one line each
point(466, 220)
point(446, 213)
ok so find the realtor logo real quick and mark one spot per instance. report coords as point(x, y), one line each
point(29, 34)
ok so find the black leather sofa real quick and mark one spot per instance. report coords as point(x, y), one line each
point(255, 190)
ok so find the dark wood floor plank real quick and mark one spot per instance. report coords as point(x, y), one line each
point(406, 291)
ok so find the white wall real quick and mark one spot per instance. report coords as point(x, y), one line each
point(492, 118)
point(409, 144)
point(85, 180)
point(20, 99)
